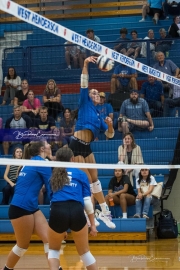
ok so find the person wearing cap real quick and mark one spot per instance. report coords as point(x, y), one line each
point(123, 78)
point(135, 114)
point(152, 91)
point(104, 108)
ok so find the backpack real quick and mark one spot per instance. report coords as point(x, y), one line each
point(167, 225)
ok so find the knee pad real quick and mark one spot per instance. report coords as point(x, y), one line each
point(18, 251)
point(88, 258)
point(46, 247)
point(96, 187)
point(53, 254)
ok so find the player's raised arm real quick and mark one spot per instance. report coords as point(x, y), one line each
point(85, 75)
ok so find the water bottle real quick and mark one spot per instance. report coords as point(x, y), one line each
point(111, 202)
point(177, 113)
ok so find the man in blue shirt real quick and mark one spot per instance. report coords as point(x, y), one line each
point(154, 8)
point(134, 114)
point(152, 92)
point(168, 67)
point(123, 78)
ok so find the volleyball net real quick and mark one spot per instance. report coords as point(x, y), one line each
point(36, 48)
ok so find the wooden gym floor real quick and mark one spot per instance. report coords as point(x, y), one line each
point(154, 254)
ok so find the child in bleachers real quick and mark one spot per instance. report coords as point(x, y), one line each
point(120, 191)
point(67, 126)
point(10, 176)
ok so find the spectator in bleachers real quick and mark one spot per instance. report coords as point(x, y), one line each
point(151, 46)
point(1, 123)
point(10, 176)
point(153, 8)
point(163, 45)
point(174, 29)
point(123, 79)
point(121, 47)
point(31, 105)
point(44, 122)
point(13, 84)
point(67, 126)
point(134, 48)
point(74, 56)
point(145, 184)
point(172, 7)
point(90, 34)
point(172, 102)
point(105, 109)
point(52, 99)
point(130, 153)
point(135, 114)
point(21, 95)
point(168, 67)
point(1, 70)
point(152, 92)
point(17, 121)
point(120, 191)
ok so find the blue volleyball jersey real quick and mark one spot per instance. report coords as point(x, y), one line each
point(76, 190)
point(88, 115)
point(29, 182)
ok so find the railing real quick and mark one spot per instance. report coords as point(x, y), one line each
point(35, 63)
point(54, 9)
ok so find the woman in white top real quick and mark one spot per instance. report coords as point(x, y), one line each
point(130, 153)
point(145, 185)
point(13, 84)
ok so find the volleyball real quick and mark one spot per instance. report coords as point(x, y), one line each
point(104, 63)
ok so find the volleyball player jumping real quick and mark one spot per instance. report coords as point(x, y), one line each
point(70, 196)
point(88, 126)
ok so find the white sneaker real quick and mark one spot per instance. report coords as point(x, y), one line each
point(96, 222)
point(142, 20)
point(96, 213)
point(106, 218)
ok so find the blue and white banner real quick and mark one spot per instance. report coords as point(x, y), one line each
point(31, 17)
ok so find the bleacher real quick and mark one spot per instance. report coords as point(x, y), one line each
point(157, 146)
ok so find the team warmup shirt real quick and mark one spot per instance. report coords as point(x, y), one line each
point(116, 186)
point(29, 182)
point(122, 69)
point(105, 109)
point(76, 190)
point(88, 115)
point(152, 91)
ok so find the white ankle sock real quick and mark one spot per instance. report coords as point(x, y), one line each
point(124, 215)
point(104, 207)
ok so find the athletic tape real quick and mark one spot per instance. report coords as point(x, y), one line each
point(35, 19)
point(57, 164)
